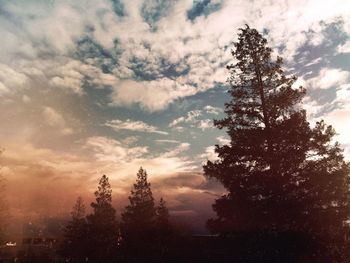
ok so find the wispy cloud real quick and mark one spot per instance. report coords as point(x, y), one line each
point(167, 141)
point(190, 117)
point(212, 110)
point(131, 125)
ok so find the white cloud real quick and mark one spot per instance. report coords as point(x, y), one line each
point(344, 48)
point(11, 80)
point(223, 140)
point(338, 116)
point(167, 141)
point(177, 150)
point(205, 124)
point(212, 110)
point(131, 125)
point(209, 154)
point(114, 151)
point(71, 74)
point(152, 95)
point(328, 78)
point(120, 160)
point(198, 45)
point(191, 117)
point(71, 83)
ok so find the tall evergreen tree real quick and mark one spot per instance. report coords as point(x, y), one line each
point(281, 174)
point(102, 224)
point(75, 235)
point(139, 216)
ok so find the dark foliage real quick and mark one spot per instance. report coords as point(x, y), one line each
point(102, 225)
point(139, 216)
point(75, 237)
point(146, 229)
point(3, 207)
point(282, 176)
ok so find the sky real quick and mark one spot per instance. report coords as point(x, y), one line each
point(98, 87)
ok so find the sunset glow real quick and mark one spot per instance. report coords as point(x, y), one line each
point(104, 87)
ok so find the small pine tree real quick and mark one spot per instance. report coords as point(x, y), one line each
point(162, 213)
point(3, 207)
point(102, 224)
point(75, 234)
point(139, 216)
point(163, 226)
point(78, 212)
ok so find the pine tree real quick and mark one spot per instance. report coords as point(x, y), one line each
point(139, 216)
point(102, 224)
point(78, 212)
point(280, 174)
point(75, 234)
point(3, 206)
point(162, 214)
point(163, 228)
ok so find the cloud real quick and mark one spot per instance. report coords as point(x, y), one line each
point(328, 78)
point(54, 119)
point(148, 54)
point(190, 117)
point(205, 124)
point(72, 74)
point(178, 149)
point(335, 112)
point(212, 110)
point(203, 7)
point(167, 141)
point(118, 7)
point(120, 160)
point(36, 178)
point(344, 48)
point(193, 118)
point(131, 125)
point(153, 95)
point(223, 140)
point(113, 151)
point(11, 80)
point(209, 154)
point(154, 10)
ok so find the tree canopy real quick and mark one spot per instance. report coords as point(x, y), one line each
point(75, 238)
point(102, 224)
point(140, 214)
point(281, 174)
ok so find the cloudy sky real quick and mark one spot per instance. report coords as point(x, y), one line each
point(104, 87)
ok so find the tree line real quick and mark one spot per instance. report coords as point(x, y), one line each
point(99, 237)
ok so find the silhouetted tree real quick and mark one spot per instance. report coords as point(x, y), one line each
point(139, 216)
point(163, 229)
point(281, 174)
point(75, 235)
point(102, 225)
point(162, 214)
point(3, 207)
